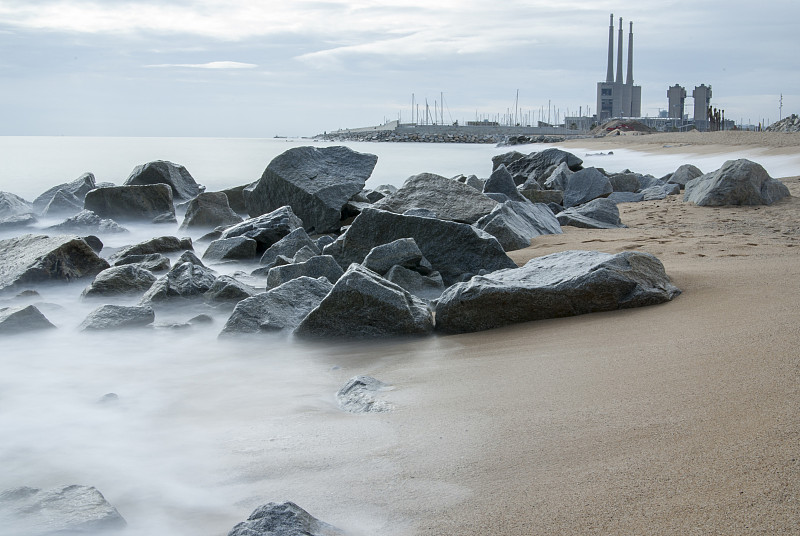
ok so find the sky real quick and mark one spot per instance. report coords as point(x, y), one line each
point(229, 68)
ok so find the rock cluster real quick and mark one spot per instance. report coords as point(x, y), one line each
point(787, 124)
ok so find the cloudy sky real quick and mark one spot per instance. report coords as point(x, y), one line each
point(300, 67)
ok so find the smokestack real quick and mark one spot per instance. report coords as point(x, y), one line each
point(629, 79)
point(619, 54)
point(610, 73)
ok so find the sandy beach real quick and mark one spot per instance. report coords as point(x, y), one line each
point(674, 419)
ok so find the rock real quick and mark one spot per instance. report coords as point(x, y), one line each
point(200, 319)
point(599, 213)
point(285, 519)
point(289, 245)
point(227, 289)
point(94, 242)
point(737, 182)
point(315, 182)
point(17, 221)
point(235, 248)
point(111, 317)
point(185, 281)
point(162, 244)
point(363, 305)
point(87, 221)
point(536, 163)
point(501, 182)
point(427, 287)
point(319, 266)
point(358, 396)
point(448, 199)
point(267, 228)
point(77, 189)
point(402, 252)
point(62, 204)
point(13, 205)
point(323, 241)
point(421, 212)
point(22, 319)
point(585, 185)
point(235, 197)
point(209, 209)
point(278, 309)
point(625, 197)
point(453, 249)
point(373, 195)
point(647, 181)
point(624, 182)
point(304, 254)
point(543, 196)
point(180, 181)
point(563, 284)
point(127, 203)
point(189, 256)
point(129, 279)
point(556, 180)
point(31, 259)
point(684, 174)
point(655, 193)
point(65, 510)
point(506, 158)
point(152, 262)
point(515, 223)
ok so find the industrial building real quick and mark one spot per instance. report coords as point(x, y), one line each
point(676, 96)
point(615, 97)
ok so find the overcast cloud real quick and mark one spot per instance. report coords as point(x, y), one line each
point(228, 68)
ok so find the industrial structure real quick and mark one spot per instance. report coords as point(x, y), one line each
point(702, 104)
point(615, 97)
point(676, 96)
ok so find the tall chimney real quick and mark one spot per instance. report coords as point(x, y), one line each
point(610, 73)
point(629, 79)
point(619, 54)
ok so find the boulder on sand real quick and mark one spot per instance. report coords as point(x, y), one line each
point(209, 210)
point(601, 213)
point(285, 519)
point(737, 182)
point(22, 319)
point(316, 182)
point(120, 203)
point(558, 285)
point(175, 176)
point(109, 317)
point(584, 185)
point(684, 174)
point(515, 223)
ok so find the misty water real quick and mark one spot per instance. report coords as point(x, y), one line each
point(203, 429)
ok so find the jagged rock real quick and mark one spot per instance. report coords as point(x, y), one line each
point(535, 164)
point(737, 182)
point(184, 281)
point(585, 185)
point(386, 189)
point(625, 197)
point(87, 221)
point(17, 221)
point(289, 245)
point(358, 395)
point(180, 181)
point(129, 279)
point(515, 223)
point(120, 203)
point(62, 204)
point(655, 193)
point(624, 182)
point(304, 254)
point(556, 180)
point(235, 197)
point(267, 228)
point(647, 181)
point(77, 188)
point(563, 284)
point(420, 212)
point(453, 249)
point(227, 289)
point(373, 195)
point(501, 182)
point(66, 510)
point(362, 304)
point(544, 196)
point(152, 262)
point(94, 242)
point(209, 209)
point(109, 317)
point(189, 256)
point(280, 308)
point(235, 248)
point(315, 182)
point(402, 252)
point(22, 319)
point(448, 199)
point(684, 174)
point(319, 266)
point(162, 244)
point(427, 287)
point(599, 213)
point(285, 519)
point(506, 158)
point(323, 241)
point(31, 259)
point(13, 205)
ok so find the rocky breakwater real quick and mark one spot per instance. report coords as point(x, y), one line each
point(451, 136)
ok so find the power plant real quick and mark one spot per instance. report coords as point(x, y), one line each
point(615, 97)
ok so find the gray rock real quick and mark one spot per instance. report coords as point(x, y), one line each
point(315, 182)
point(448, 199)
point(500, 198)
point(209, 210)
point(403, 252)
point(235, 197)
point(227, 289)
point(87, 221)
point(66, 510)
point(13, 205)
point(285, 519)
point(599, 213)
point(421, 212)
point(363, 305)
point(152, 262)
point(544, 196)
point(358, 395)
point(585, 185)
point(162, 244)
point(427, 287)
point(373, 195)
point(626, 197)
point(278, 309)
point(506, 158)
point(624, 182)
point(94, 242)
point(535, 164)
point(563, 284)
point(655, 193)
point(63, 203)
point(129, 279)
point(267, 228)
point(304, 254)
point(556, 180)
point(17, 221)
point(501, 182)
point(185, 281)
point(289, 245)
point(323, 241)
point(124, 203)
point(453, 249)
point(737, 182)
point(647, 181)
point(175, 176)
point(77, 188)
point(22, 319)
point(319, 266)
point(112, 317)
point(189, 256)
point(31, 259)
point(684, 174)
point(386, 189)
point(235, 248)
point(515, 223)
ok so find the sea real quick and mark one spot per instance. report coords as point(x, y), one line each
point(185, 433)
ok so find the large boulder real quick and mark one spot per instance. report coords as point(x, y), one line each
point(125, 280)
point(13, 205)
point(448, 199)
point(453, 249)
point(153, 262)
point(558, 285)
point(655, 193)
point(87, 221)
point(316, 182)
point(120, 203)
point(175, 176)
point(624, 182)
point(63, 510)
point(737, 182)
point(362, 304)
point(535, 164)
point(401, 252)
point(62, 204)
point(284, 519)
point(209, 210)
point(684, 174)
point(515, 223)
point(278, 309)
point(110, 317)
point(235, 197)
point(228, 290)
point(185, 281)
point(599, 213)
point(317, 266)
point(288, 246)
point(234, 248)
point(77, 189)
point(267, 228)
point(502, 182)
point(22, 319)
point(427, 287)
point(585, 185)
point(31, 259)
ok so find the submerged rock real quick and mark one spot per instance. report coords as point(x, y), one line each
point(162, 244)
point(128, 279)
point(110, 317)
point(737, 182)
point(358, 396)
point(87, 221)
point(184, 281)
point(284, 519)
point(21, 319)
